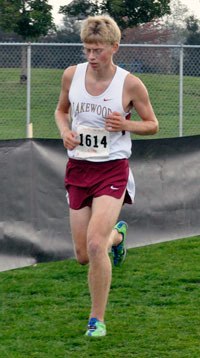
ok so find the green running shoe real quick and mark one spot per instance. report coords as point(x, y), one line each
point(119, 251)
point(96, 328)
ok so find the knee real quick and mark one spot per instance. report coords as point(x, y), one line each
point(94, 249)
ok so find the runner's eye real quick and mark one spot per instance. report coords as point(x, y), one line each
point(96, 52)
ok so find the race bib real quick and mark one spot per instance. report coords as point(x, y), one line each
point(94, 142)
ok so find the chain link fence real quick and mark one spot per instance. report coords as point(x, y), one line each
point(30, 81)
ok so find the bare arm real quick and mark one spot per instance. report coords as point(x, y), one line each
point(62, 116)
point(136, 95)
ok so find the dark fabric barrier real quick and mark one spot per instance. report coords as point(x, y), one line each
point(34, 220)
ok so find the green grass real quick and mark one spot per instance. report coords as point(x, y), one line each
point(153, 309)
point(45, 89)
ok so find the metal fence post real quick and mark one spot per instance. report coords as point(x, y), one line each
point(29, 131)
point(181, 92)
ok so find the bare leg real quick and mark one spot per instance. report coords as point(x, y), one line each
point(115, 238)
point(105, 212)
point(93, 235)
point(79, 220)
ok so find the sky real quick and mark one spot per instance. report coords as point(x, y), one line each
point(56, 5)
point(192, 5)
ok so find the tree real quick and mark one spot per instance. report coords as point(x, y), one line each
point(28, 18)
point(193, 29)
point(152, 33)
point(175, 22)
point(69, 31)
point(79, 9)
point(127, 13)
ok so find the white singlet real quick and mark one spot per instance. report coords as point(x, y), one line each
point(88, 119)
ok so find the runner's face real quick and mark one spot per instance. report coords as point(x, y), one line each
point(98, 54)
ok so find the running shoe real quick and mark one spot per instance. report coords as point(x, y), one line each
point(96, 328)
point(119, 251)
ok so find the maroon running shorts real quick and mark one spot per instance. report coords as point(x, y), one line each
point(85, 180)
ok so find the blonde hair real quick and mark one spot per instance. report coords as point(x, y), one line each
point(100, 29)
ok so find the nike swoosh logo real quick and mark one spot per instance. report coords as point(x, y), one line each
point(107, 99)
point(114, 188)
